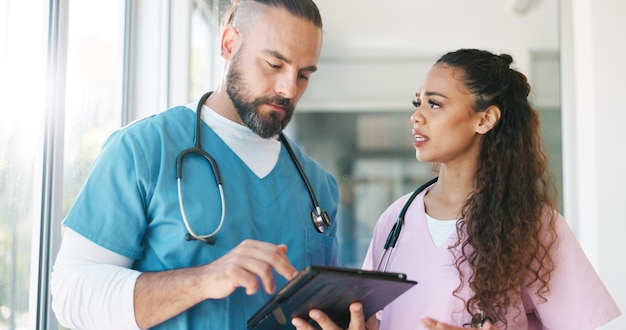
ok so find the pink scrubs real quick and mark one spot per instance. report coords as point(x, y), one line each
point(577, 298)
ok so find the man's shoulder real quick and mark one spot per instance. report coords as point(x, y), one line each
point(169, 119)
point(174, 114)
point(166, 125)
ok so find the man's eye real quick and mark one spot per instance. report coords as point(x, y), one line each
point(273, 66)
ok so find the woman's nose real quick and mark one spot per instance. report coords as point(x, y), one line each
point(417, 116)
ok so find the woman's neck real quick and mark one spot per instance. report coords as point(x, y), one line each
point(445, 200)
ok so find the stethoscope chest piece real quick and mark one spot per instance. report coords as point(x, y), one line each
point(320, 219)
point(479, 319)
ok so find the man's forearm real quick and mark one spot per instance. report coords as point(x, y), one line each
point(159, 296)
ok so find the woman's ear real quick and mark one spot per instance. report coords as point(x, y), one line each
point(230, 43)
point(488, 120)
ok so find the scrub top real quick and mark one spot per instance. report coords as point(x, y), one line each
point(129, 205)
point(577, 298)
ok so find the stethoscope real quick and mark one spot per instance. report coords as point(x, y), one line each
point(319, 216)
point(479, 318)
point(394, 233)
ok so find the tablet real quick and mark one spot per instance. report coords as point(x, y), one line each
point(332, 290)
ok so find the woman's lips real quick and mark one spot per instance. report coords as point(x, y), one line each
point(419, 139)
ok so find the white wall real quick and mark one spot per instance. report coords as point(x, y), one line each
point(593, 112)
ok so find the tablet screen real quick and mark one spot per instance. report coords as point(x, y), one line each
point(332, 290)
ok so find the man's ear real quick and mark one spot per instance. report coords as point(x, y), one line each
point(230, 43)
point(488, 119)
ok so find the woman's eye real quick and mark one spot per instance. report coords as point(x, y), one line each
point(433, 104)
point(416, 103)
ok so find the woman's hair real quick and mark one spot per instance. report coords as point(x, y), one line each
point(504, 236)
point(305, 9)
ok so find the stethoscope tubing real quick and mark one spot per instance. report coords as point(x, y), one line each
point(308, 184)
point(319, 216)
point(395, 231)
point(206, 238)
point(197, 150)
point(479, 318)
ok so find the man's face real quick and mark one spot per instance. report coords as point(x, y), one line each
point(264, 123)
point(270, 71)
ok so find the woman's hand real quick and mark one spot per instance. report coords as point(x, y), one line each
point(432, 324)
point(357, 320)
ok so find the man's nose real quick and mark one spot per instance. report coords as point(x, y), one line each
point(287, 85)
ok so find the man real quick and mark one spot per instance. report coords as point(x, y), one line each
point(124, 262)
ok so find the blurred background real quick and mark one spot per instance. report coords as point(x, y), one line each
point(72, 71)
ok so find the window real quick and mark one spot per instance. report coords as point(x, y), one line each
point(94, 86)
point(62, 85)
point(203, 75)
point(22, 43)
point(371, 156)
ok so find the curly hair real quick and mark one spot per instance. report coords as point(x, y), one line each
point(504, 237)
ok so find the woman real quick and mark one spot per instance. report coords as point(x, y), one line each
point(485, 242)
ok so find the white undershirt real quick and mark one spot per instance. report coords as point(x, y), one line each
point(92, 287)
point(258, 153)
point(440, 230)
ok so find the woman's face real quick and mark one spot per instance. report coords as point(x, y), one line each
point(445, 128)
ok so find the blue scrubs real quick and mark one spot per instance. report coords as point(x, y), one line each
point(129, 204)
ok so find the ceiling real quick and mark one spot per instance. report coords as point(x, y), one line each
point(433, 26)
point(376, 52)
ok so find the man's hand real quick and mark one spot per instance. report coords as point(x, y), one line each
point(159, 296)
point(244, 265)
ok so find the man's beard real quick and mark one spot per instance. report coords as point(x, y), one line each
point(265, 126)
